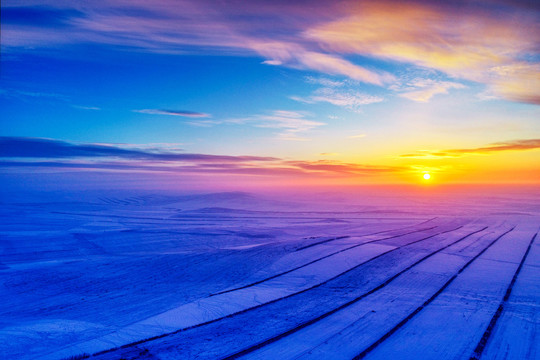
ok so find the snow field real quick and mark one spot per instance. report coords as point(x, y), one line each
point(231, 276)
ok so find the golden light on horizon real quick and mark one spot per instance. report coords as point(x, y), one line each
point(426, 176)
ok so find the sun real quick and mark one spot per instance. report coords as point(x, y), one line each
point(426, 176)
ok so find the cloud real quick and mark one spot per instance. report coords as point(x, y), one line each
point(181, 27)
point(345, 168)
point(359, 136)
point(164, 26)
point(519, 82)
point(52, 154)
point(422, 90)
point(25, 94)
point(514, 145)
point(277, 169)
point(272, 62)
point(291, 123)
point(295, 55)
point(348, 99)
point(38, 16)
point(86, 107)
point(338, 93)
point(490, 42)
point(21, 147)
point(324, 82)
point(183, 113)
point(471, 43)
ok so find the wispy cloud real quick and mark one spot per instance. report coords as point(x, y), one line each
point(43, 16)
point(292, 124)
point(341, 93)
point(514, 145)
point(324, 81)
point(494, 43)
point(33, 94)
point(348, 99)
point(186, 26)
point(86, 107)
point(21, 147)
point(295, 55)
point(519, 81)
point(182, 113)
point(422, 90)
point(345, 168)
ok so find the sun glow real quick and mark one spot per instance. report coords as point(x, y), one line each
point(426, 176)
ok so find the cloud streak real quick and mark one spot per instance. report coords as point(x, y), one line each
point(37, 153)
point(182, 113)
point(20, 147)
point(515, 145)
point(422, 90)
point(292, 124)
point(47, 17)
point(179, 27)
point(352, 100)
point(345, 168)
point(295, 55)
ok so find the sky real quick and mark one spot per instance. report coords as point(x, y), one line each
point(273, 93)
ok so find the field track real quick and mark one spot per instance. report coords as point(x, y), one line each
point(378, 293)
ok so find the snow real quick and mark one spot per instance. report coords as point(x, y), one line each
point(365, 321)
point(519, 324)
point(463, 309)
point(232, 270)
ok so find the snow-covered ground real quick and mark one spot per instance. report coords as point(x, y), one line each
point(238, 275)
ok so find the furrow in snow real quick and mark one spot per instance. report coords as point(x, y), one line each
point(278, 348)
point(222, 306)
point(307, 256)
point(513, 332)
point(451, 322)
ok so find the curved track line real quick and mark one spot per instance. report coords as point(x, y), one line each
point(281, 298)
point(375, 233)
point(426, 303)
point(347, 304)
point(485, 337)
point(327, 256)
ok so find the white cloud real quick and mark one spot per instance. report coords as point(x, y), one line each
point(290, 123)
point(182, 113)
point(358, 136)
point(348, 99)
point(422, 90)
point(324, 81)
point(295, 55)
point(86, 107)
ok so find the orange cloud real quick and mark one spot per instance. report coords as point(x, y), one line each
point(518, 82)
point(516, 145)
point(476, 45)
